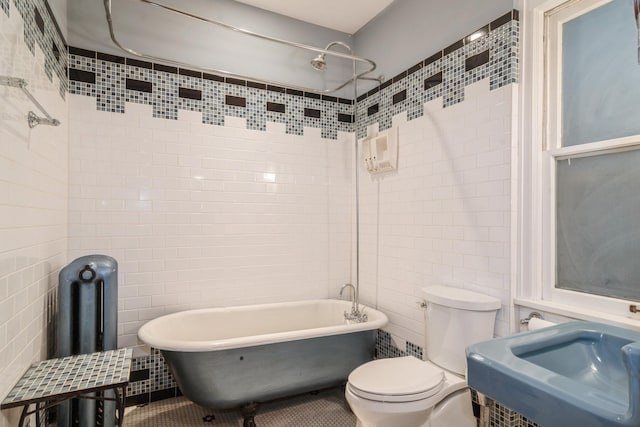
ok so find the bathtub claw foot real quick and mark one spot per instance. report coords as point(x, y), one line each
point(248, 411)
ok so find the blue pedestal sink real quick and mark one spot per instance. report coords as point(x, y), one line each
point(573, 374)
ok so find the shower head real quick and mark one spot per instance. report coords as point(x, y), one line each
point(318, 63)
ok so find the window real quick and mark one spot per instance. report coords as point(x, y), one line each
point(591, 154)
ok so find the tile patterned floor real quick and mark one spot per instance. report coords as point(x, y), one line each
point(326, 408)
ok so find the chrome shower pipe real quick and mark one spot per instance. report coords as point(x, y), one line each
point(354, 77)
point(355, 312)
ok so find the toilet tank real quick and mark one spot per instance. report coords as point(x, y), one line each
point(454, 319)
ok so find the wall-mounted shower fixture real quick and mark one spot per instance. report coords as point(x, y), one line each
point(322, 52)
point(319, 63)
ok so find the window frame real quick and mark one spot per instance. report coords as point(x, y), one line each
point(543, 85)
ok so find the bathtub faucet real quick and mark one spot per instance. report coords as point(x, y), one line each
point(355, 314)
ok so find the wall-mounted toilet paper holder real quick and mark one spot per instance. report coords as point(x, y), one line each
point(532, 315)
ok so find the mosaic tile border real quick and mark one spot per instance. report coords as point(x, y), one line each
point(490, 52)
point(115, 80)
point(41, 28)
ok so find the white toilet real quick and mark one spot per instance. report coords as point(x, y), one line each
point(407, 392)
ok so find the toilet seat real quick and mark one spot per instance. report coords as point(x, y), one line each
point(401, 379)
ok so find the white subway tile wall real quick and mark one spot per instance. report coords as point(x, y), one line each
point(200, 215)
point(445, 216)
point(33, 204)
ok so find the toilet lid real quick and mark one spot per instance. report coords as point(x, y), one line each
point(400, 379)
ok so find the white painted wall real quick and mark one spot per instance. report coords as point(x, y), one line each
point(33, 208)
point(445, 217)
point(200, 215)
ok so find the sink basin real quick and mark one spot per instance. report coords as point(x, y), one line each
point(573, 374)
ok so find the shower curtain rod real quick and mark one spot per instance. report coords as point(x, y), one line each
point(372, 65)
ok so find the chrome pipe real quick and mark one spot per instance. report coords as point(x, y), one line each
point(114, 39)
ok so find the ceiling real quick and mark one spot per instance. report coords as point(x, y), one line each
point(346, 16)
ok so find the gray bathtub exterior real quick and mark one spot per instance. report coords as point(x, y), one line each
point(235, 377)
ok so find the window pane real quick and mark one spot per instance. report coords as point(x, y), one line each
point(598, 224)
point(600, 75)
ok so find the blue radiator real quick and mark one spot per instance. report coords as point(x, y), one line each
point(87, 322)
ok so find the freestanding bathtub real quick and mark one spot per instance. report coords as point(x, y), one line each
point(240, 356)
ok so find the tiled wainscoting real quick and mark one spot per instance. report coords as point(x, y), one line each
point(151, 381)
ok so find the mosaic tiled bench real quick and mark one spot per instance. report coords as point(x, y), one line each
point(51, 382)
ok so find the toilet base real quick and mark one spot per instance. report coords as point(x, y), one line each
point(453, 410)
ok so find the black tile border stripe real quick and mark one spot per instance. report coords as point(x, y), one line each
point(38, 19)
point(373, 109)
point(312, 95)
point(295, 92)
point(187, 93)
point(139, 85)
point(135, 400)
point(167, 393)
point(400, 76)
point(110, 58)
point(453, 47)
point(56, 51)
point(212, 77)
point(165, 68)
point(140, 64)
point(139, 375)
point(278, 89)
point(501, 20)
point(189, 73)
point(386, 84)
point(236, 101)
point(82, 52)
point(256, 85)
point(237, 82)
point(82, 76)
point(276, 107)
point(414, 68)
point(346, 118)
point(433, 81)
point(312, 112)
point(476, 60)
point(400, 96)
point(433, 58)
